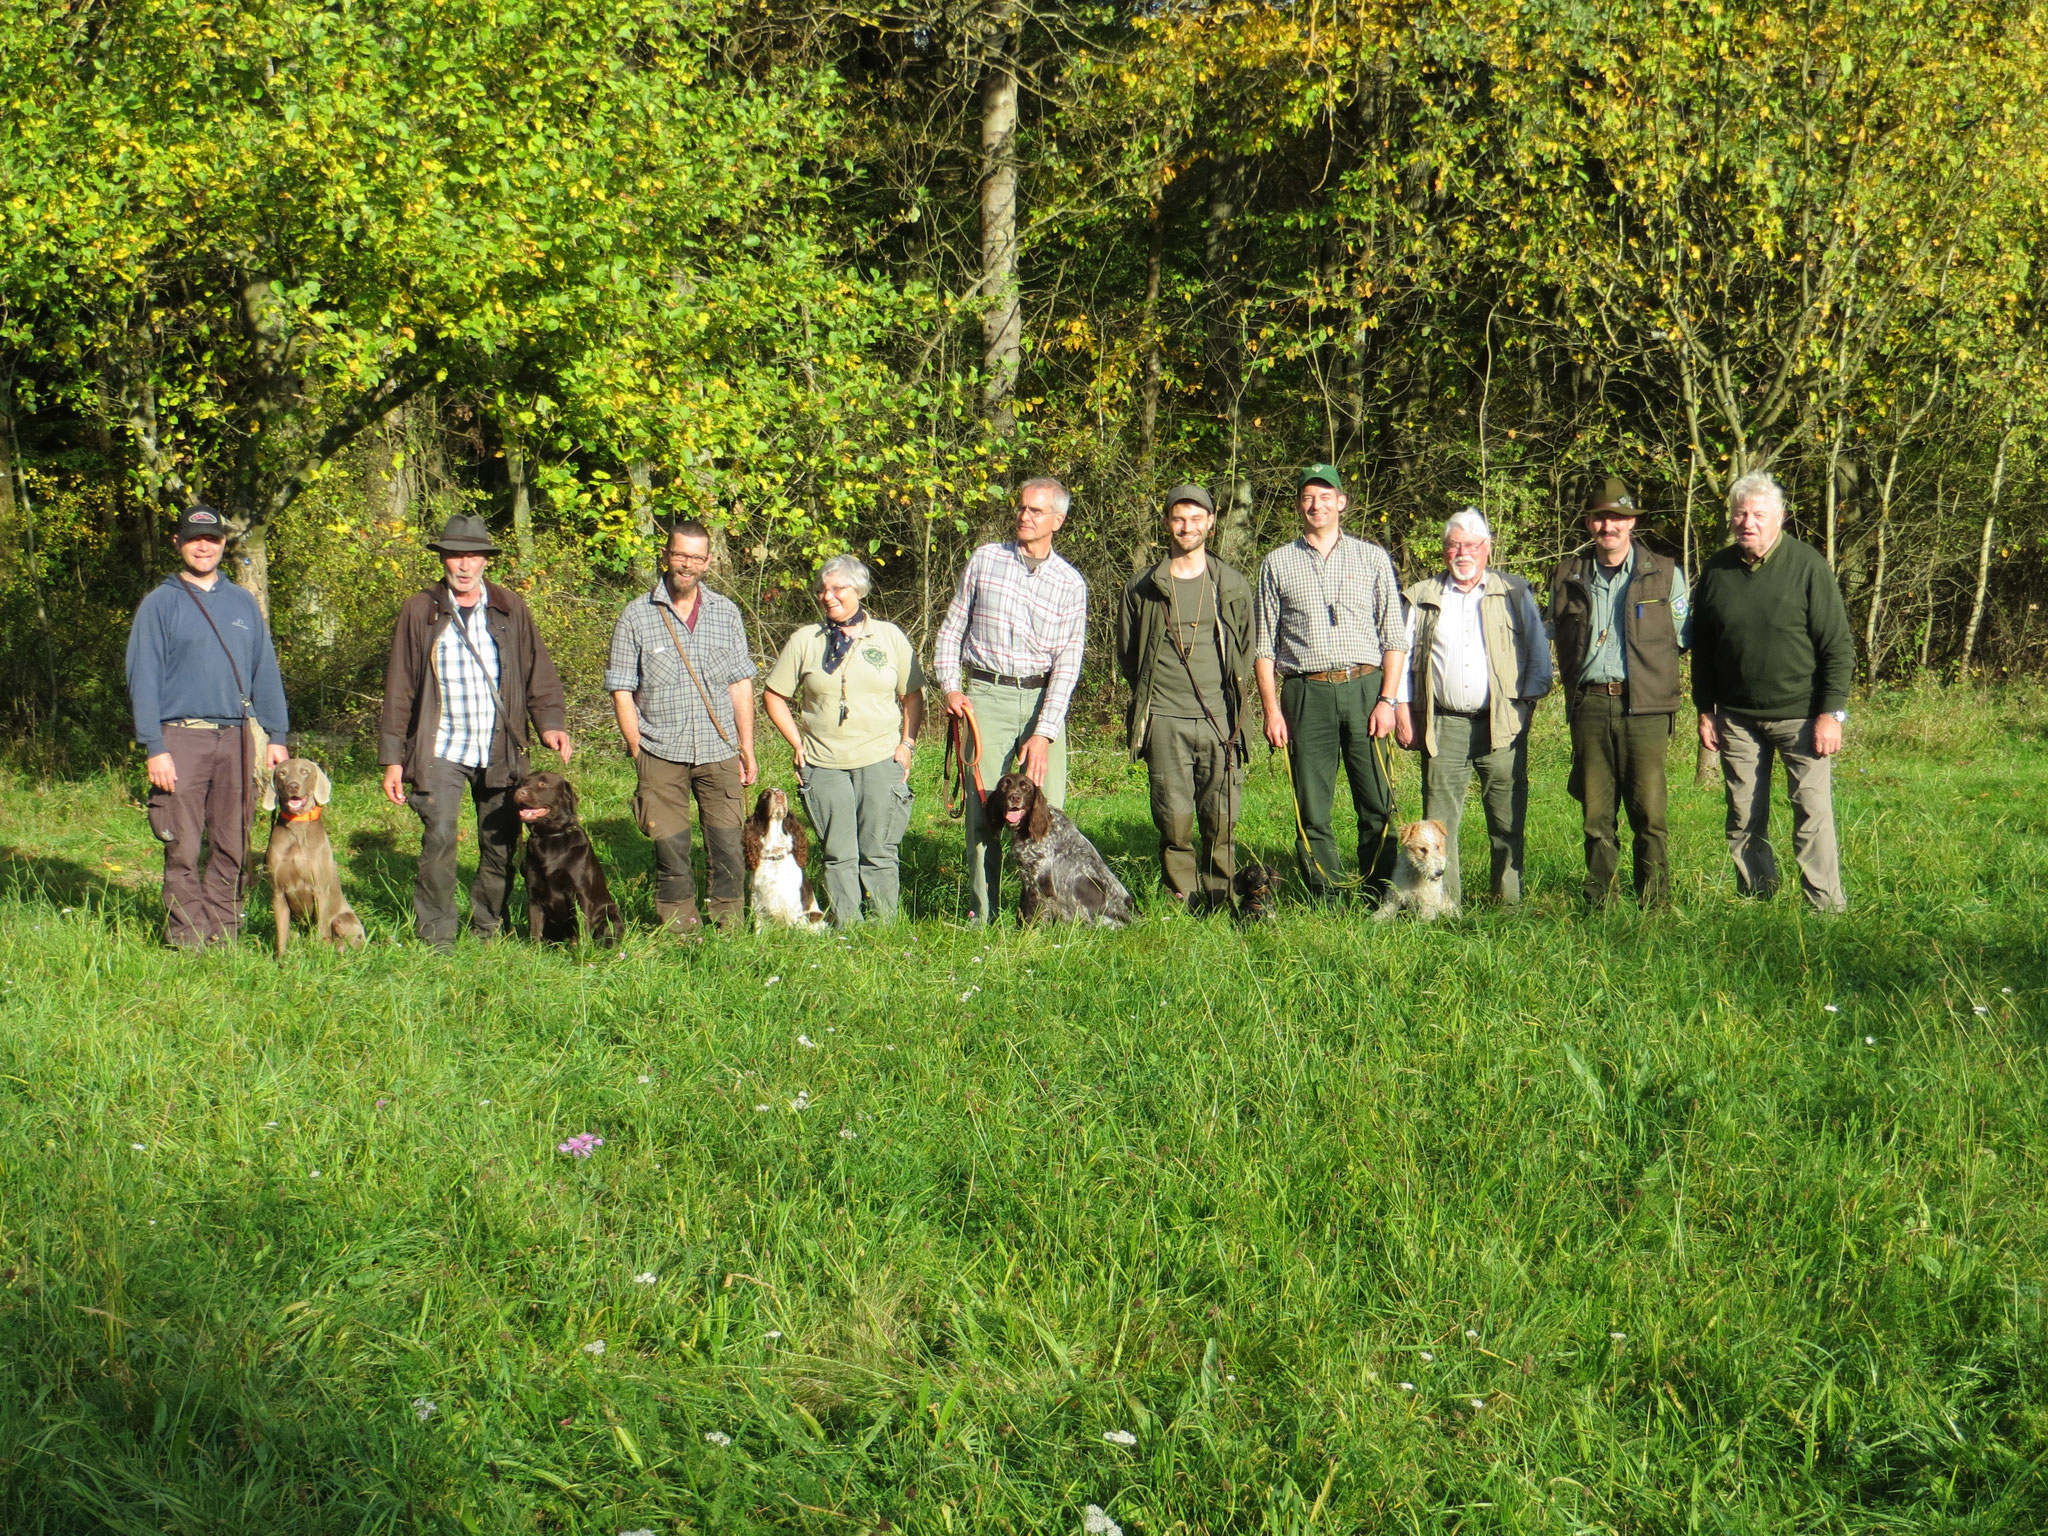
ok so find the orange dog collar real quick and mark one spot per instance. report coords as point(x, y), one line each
point(312, 815)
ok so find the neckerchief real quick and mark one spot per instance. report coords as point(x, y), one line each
point(839, 639)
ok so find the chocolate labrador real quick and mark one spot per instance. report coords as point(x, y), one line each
point(303, 879)
point(564, 881)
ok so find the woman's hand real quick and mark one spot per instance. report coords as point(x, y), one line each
point(905, 751)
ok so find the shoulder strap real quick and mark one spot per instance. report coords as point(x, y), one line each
point(490, 682)
point(241, 689)
point(676, 635)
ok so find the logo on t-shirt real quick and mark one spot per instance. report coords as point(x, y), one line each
point(875, 656)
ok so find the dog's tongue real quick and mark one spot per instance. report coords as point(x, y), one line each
point(532, 812)
point(1013, 817)
point(295, 804)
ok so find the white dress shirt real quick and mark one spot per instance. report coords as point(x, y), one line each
point(1458, 658)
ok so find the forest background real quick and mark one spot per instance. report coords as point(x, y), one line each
point(836, 277)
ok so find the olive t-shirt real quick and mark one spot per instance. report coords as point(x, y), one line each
point(879, 668)
point(1190, 627)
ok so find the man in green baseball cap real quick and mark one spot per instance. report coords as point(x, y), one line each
point(1321, 474)
point(1184, 636)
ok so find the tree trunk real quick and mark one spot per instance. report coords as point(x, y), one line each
point(1876, 604)
point(388, 478)
point(1002, 319)
point(1148, 407)
point(522, 500)
point(10, 538)
point(640, 475)
point(1225, 385)
point(251, 558)
point(1984, 556)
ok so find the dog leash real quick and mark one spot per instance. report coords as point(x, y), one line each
point(1383, 754)
point(961, 765)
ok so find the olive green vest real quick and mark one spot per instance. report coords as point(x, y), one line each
point(1649, 630)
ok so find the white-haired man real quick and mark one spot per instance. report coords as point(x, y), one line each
point(1772, 660)
point(1478, 660)
point(1010, 647)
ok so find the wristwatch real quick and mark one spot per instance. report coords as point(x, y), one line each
point(1839, 716)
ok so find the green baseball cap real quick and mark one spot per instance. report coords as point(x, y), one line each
point(1327, 473)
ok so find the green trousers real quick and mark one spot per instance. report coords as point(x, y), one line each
point(1326, 729)
point(1465, 743)
point(1007, 718)
point(1195, 780)
point(861, 815)
point(1618, 759)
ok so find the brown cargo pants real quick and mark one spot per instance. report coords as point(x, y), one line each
point(661, 810)
point(209, 807)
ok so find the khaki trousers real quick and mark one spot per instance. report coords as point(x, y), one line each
point(1465, 743)
point(1747, 747)
point(861, 815)
point(661, 810)
point(1007, 718)
point(209, 808)
point(1195, 781)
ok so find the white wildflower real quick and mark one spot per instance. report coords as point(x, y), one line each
point(423, 1410)
point(1619, 1338)
point(1427, 1357)
point(1094, 1522)
point(1405, 1386)
point(1472, 1333)
point(1870, 1039)
point(136, 1146)
point(760, 1109)
point(1829, 1008)
point(646, 1277)
point(771, 981)
point(847, 1133)
point(772, 1333)
point(483, 1103)
point(713, 1437)
point(1478, 1403)
point(643, 1531)
point(1120, 1437)
point(807, 1042)
point(802, 1100)
point(270, 1125)
point(645, 1078)
point(1980, 1010)
point(2007, 991)
point(594, 1348)
point(315, 1173)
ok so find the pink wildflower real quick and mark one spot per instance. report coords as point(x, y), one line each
point(581, 1146)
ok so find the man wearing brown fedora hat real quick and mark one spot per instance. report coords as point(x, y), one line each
point(1619, 614)
point(468, 674)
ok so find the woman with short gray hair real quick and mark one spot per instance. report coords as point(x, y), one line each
point(848, 696)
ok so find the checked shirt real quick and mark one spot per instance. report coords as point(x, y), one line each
point(673, 724)
point(1298, 589)
point(1013, 621)
point(469, 716)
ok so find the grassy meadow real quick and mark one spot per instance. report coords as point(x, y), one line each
point(1727, 1219)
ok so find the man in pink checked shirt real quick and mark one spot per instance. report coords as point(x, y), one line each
point(1011, 645)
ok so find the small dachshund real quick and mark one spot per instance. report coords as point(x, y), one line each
point(1256, 889)
point(564, 881)
point(303, 879)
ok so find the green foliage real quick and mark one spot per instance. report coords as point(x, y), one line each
point(1659, 1241)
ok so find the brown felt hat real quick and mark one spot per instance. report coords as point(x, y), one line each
point(463, 534)
point(1611, 494)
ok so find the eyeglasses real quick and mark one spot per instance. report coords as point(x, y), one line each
point(1465, 549)
point(689, 560)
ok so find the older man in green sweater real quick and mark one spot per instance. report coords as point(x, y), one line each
point(1772, 660)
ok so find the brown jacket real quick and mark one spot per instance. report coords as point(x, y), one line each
point(527, 680)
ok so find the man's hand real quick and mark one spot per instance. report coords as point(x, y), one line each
point(957, 705)
point(163, 773)
point(1376, 724)
point(559, 740)
point(394, 783)
point(1710, 735)
point(1276, 730)
point(1404, 726)
point(1032, 759)
point(748, 770)
point(277, 753)
point(1827, 735)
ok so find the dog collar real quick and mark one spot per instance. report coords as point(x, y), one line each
point(312, 815)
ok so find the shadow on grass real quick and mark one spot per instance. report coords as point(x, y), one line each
point(44, 880)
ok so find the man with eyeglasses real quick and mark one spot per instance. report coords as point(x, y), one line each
point(682, 683)
point(1009, 653)
point(1329, 648)
point(1479, 661)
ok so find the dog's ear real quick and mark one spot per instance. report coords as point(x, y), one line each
point(799, 845)
point(270, 788)
point(323, 787)
point(566, 801)
point(750, 843)
point(1038, 817)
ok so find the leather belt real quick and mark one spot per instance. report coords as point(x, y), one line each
point(204, 725)
point(1007, 682)
point(1612, 690)
point(1337, 674)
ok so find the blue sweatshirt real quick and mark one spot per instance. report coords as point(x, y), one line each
point(177, 670)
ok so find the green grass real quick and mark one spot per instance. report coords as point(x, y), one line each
point(1661, 1244)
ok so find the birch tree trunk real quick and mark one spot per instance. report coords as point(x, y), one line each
point(1984, 554)
point(1002, 319)
point(640, 476)
point(522, 500)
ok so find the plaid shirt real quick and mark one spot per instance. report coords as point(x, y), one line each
point(469, 716)
point(673, 724)
point(1298, 592)
point(1016, 622)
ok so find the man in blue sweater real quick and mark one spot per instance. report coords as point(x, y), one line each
point(200, 667)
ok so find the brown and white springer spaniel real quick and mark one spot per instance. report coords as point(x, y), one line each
point(1065, 879)
point(777, 852)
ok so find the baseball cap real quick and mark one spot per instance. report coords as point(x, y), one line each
point(1327, 473)
point(1188, 492)
point(200, 521)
